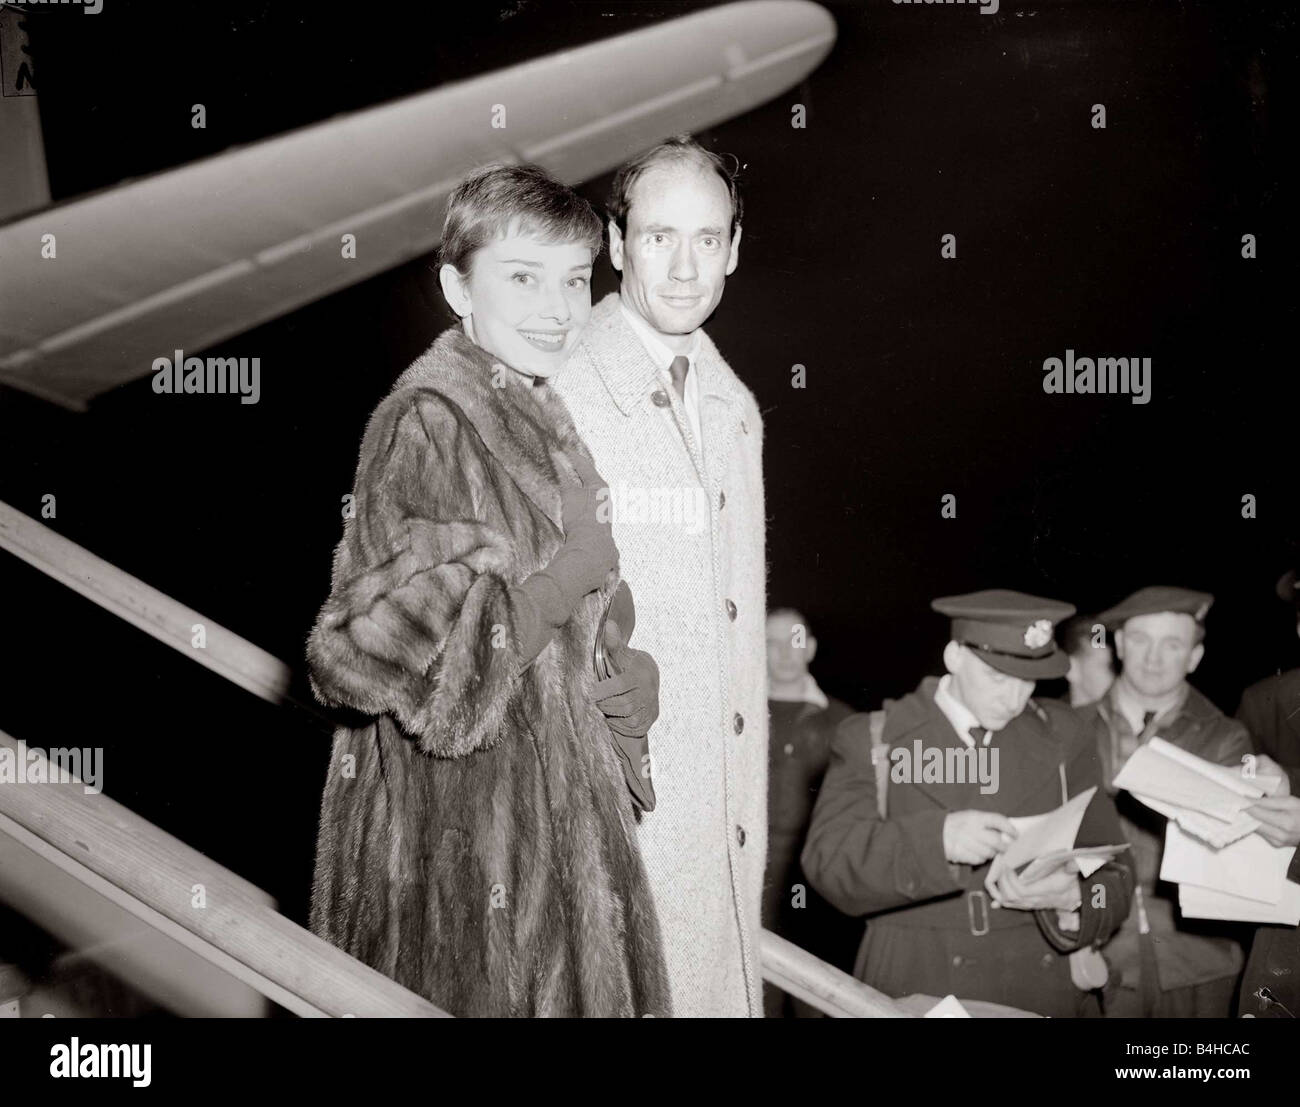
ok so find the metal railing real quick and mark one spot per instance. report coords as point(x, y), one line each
point(104, 847)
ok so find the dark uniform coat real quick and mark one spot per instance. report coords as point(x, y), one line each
point(477, 841)
point(932, 929)
point(1190, 952)
point(799, 752)
point(1270, 710)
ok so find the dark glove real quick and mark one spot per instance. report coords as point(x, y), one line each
point(630, 699)
point(544, 601)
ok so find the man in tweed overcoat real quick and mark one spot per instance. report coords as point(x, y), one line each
point(678, 438)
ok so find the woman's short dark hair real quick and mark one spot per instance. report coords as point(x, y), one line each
point(495, 200)
point(677, 149)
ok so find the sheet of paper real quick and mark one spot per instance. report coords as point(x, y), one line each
point(1050, 832)
point(1209, 829)
point(1206, 903)
point(1249, 867)
point(1172, 775)
point(1088, 859)
point(947, 1008)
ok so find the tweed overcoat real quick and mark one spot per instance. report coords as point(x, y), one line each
point(699, 579)
point(477, 838)
point(931, 929)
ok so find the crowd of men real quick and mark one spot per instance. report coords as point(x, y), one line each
point(854, 840)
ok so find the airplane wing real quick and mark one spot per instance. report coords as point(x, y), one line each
point(191, 256)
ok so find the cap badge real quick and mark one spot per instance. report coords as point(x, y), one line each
point(1202, 611)
point(1038, 634)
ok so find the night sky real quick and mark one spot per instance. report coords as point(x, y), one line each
point(924, 375)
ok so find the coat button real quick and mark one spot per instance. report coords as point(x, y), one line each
point(789, 749)
point(660, 398)
point(722, 500)
point(956, 962)
point(740, 835)
point(731, 611)
point(739, 722)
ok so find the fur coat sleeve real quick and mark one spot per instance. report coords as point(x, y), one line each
point(418, 621)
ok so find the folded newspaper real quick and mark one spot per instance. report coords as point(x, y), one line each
point(1207, 800)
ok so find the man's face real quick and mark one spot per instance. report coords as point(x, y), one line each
point(790, 649)
point(679, 249)
point(1091, 673)
point(1158, 651)
point(994, 697)
point(526, 301)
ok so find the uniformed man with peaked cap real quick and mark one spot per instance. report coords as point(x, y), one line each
point(1163, 966)
point(914, 854)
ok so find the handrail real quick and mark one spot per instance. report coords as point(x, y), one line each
point(827, 988)
point(144, 607)
point(786, 965)
point(273, 954)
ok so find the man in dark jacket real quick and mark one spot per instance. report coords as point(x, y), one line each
point(801, 721)
point(1164, 966)
point(1270, 710)
point(920, 868)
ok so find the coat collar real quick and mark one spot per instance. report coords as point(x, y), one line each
point(1029, 749)
point(524, 425)
point(625, 367)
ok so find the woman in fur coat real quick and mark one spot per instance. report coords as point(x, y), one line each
point(477, 834)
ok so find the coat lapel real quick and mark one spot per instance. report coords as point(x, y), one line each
point(526, 427)
point(1030, 758)
point(917, 719)
point(719, 424)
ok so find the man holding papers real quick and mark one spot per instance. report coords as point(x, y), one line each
point(1167, 967)
point(975, 766)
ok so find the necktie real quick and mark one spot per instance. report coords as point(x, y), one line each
point(978, 732)
point(1128, 742)
point(677, 370)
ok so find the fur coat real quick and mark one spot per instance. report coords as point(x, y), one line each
point(477, 840)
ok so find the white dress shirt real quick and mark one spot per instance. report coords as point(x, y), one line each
point(957, 713)
point(662, 356)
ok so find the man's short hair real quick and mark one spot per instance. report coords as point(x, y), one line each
point(1075, 634)
point(495, 199)
point(679, 148)
point(788, 613)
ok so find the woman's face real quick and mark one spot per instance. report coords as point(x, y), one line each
point(524, 301)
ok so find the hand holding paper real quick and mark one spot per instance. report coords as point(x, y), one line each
point(1279, 819)
point(1039, 870)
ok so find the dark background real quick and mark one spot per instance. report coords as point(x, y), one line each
point(923, 375)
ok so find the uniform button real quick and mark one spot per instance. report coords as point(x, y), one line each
point(789, 749)
point(722, 500)
point(660, 398)
point(956, 962)
point(740, 835)
point(731, 611)
point(1047, 960)
point(739, 722)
